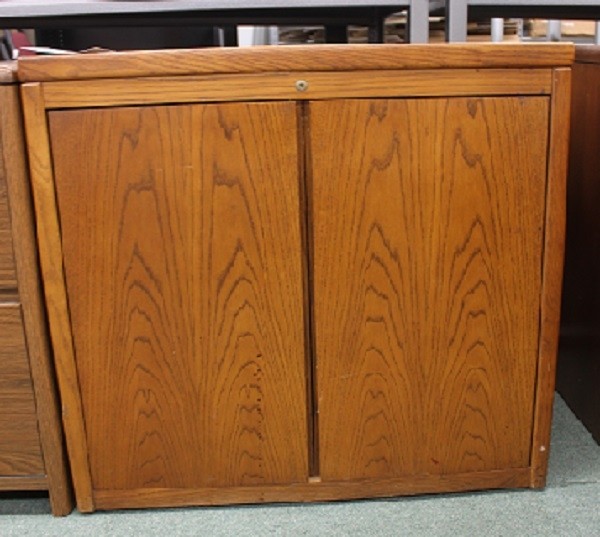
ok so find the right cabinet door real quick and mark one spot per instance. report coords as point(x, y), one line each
point(427, 234)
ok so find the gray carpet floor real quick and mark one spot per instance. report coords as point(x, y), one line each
point(569, 506)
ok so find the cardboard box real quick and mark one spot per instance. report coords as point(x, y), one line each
point(569, 28)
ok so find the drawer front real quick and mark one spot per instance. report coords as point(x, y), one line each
point(8, 276)
point(20, 452)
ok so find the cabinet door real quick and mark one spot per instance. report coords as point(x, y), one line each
point(428, 227)
point(182, 252)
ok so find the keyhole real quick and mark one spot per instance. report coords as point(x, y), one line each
point(301, 85)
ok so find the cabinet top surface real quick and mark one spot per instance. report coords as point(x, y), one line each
point(293, 58)
point(587, 54)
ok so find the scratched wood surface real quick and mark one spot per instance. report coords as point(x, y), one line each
point(8, 72)
point(181, 236)
point(428, 218)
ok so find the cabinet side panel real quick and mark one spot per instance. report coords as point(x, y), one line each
point(428, 218)
point(578, 375)
point(33, 310)
point(181, 240)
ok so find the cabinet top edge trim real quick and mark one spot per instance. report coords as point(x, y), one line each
point(293, 58)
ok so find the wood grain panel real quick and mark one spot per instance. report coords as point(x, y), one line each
point(428, 218)
point(181, 238)
point(297, 58)
point(20, 452)
point(282, 86)
point(8, 275)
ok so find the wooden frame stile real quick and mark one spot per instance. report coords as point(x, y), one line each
point(32, 310)
point(554, 245)
point(48, 229)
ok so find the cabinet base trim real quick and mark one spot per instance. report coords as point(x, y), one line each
point(313, 491)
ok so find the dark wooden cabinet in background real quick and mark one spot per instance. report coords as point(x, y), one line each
point(31, 443)
point(299, 274)
point(578, 375)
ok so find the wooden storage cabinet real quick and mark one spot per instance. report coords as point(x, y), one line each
point(578, 374)
point(31, 443)
point(301, 274)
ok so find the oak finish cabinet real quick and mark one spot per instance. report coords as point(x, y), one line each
point(578, 374)
point(300, 274)
point(32, 455)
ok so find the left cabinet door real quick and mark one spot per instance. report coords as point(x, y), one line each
point(181, 237)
